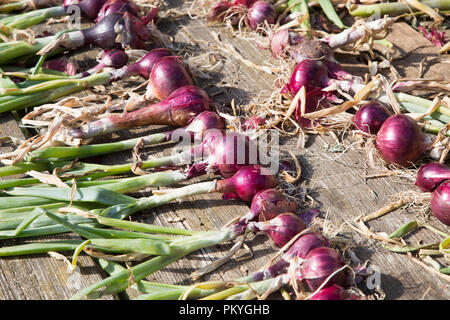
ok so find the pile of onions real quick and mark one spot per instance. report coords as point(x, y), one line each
point(255, 13)
point(401, 141)
point(435, 177)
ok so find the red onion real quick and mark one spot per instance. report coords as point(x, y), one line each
point(112, 31)
point(205, 121)
point(176, 110)
point(319, 264)
point(245, 3)
point(333, 292)
point(311, 49)
point(61, 64)
point(370, 117)
point(151, 16)
point(269, 203)
point(300, 248)
point(253, 122)
point(219, 10)
point(143, 67)
point(314, 101)
point(167, 75)
point(440, 202)
point(401, 141)
point(283, 39)
point(435, 37)
point(230, 153)
point(89, 9)
point(308, 73)
point(246, 182)
point(117, 6)
point(260, 12)
point(280, 229)
point(431, 175)
point(70, 2)
point(114, 58)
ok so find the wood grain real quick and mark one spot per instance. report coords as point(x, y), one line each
point(334, 180)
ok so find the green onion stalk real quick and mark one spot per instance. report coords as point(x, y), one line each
point(88, 9)
point(395, 8)
point(105, 34)
point(160, 291)
point(21, 5)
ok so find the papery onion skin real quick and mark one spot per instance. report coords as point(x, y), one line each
point(168, 74)
point(117, 6)
point(370, 117)
point(205, 121)
point(303, 245)
point(401, 141)
point(319, 265)
point(333, 292)
point(309, 74)
point(246, 182)
point(280, 229)
point(261, 12)
point(431, 175)
point(440, 202)
point(219, 10)
point(283, 39)
point(143, 67)
point(88, 8)
point(269, 203)
point(311, 49)
point(234, 151)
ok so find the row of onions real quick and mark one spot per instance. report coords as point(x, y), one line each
point(406, 130)
point(86, 199)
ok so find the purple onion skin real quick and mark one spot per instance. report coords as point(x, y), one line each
point(314, 101)
point(308, 73)
point(303, 245)
point(311, 49)
point(370, 117)
point(143, 67)
point(246, 182)
point(176, 110)
point(114, 58)
point(333, 292)
point(89, 8)
point(168, 74)
point(269, 203)
point(205, 121)
point(440, 202)
point(431, 175)
point(245, 3)
point(283, 39)
point(232, 152)
point(260, 12)
point(319, 265)
point(283, 228)
point(401, 141)
point(103, 34)
point(253, 123)
point(219, 9)
point(117, 6)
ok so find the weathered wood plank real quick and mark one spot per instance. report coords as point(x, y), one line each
point(334, 180)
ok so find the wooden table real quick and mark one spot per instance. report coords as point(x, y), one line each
point(335, 181)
